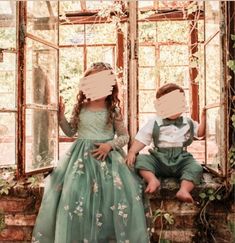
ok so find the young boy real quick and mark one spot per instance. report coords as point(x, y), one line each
point(171, 133)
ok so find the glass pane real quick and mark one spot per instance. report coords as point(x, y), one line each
point(41, 83)
point(71, 34)
point(100, 54)
point(8, 80)
point(100, 33)
point(66, 6)
point(63, 148)
point(178, 75)
point(147, 31)
point(145, 4)
point(43, 19)
point(213, 136)
point(174, 55)
point(146, 101)
point(212, 18)
point(8, 24)
point(147, 56)
point(41, 139)
point(200, 27)
point(7, 139)
point(147, 78)
point(71, 70)
point(213, 70)
point(98, 4)
point(173, 31)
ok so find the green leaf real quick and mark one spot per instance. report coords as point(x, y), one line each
point(210, 191)
point(211, 197)
point(169, 218)
point(202, 195)
point(233, 37)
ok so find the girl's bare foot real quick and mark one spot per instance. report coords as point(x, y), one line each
point(184, 196)
point(152, 186)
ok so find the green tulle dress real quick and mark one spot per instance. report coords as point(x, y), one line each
point(91, 201)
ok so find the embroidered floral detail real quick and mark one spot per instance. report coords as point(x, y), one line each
point(70, 215)
point(122, 212)
point(112, 208)
point(137, 198)
point(117, 181)
point(79, 209)
point(34, 240)
point(95, 187)
point(78, 167)
point(66, 207)
point(98, 217)
point(85, 155)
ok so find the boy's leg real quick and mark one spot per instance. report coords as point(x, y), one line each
point(190, 173)
point(184, 192)
point(151, 179)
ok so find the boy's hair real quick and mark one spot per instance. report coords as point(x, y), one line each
point(167, 88)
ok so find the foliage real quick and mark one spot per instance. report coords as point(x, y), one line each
point(2, 221)
point(231, 153)
point(9, 182)
point(205, 228)
point(231, 63)
point(165, 219)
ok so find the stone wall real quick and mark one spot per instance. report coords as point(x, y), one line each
point(18, 212)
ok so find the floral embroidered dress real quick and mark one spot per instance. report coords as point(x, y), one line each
point(91, 201)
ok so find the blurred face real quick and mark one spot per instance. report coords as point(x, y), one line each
point(98, 84)
point(171, 105)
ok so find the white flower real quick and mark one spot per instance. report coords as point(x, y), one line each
point(125, 216)
point(112, 207)
point(66, 207)
point(99, 224)
point(95, 187)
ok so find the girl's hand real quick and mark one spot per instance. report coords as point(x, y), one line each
point(102, 151)
point(61, 107)
point(131, 157)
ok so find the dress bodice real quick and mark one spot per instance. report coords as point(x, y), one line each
point(93, 125)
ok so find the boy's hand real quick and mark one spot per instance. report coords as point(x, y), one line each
point(131, 157)
point(102, 151)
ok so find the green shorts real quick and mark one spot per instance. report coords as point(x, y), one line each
point(171, 162)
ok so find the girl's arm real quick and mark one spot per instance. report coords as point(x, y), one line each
point(122, 135)
point(64, 124)
point(66, 127)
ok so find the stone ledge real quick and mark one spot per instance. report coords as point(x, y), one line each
point(169, 187)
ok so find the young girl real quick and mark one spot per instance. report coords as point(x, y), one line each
point(92, 196)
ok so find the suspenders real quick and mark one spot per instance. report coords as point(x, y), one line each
point(156, 131)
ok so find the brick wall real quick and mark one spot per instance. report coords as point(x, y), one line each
point(18, 212)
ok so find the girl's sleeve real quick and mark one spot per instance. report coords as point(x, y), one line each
point(66, 127)
point(122, 137)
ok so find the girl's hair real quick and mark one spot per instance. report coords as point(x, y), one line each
point(112, 100)
point(167, 88)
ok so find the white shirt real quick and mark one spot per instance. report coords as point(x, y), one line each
point(169, 136)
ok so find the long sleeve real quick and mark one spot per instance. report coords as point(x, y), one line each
point(122, 137)
point(66, 127)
